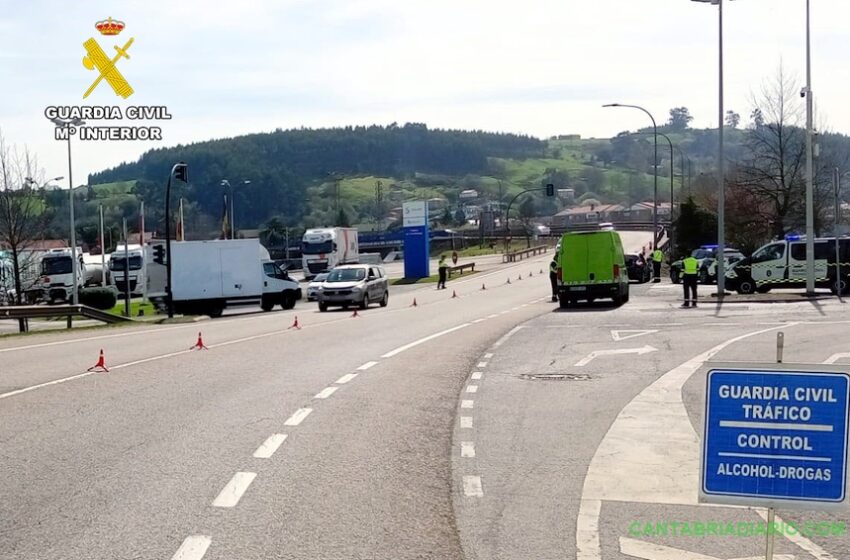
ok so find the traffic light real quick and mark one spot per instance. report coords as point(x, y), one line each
point(159, 254)
point(181, 172)
point(550, 190)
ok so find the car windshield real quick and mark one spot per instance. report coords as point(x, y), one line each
point(317, 248)
point(321, 277)
point(56, 265)
point(117, 263)
point(346, 275)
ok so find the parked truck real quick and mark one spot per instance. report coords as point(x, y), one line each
point(322, 249)
point(137, 269)
point(209, 276)
point(57, 279)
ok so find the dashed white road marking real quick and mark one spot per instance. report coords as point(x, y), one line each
point(235, 489)
point(472, 388)
point(467, 404)
point(476, 375)
point(193, 548)
point(493, 316)
point(472, 486)
point(475, 322)
point(467, 449)
point(267, 449)
point(401, 349)
point(346, 378)
point(326, 392)
point(367, 365)
point(466, 421)
point(488, 355)
point(482, 364)
point(298, 416)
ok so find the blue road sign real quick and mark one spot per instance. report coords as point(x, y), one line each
point(775, 437)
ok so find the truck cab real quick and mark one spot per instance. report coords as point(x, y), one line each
point(137, 269)
point(57, 279)
point(323, 249)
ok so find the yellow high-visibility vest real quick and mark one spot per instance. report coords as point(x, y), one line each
point(690, 265)
point(657, 255)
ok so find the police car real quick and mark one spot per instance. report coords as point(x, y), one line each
point(782, 264)
point(706, 254)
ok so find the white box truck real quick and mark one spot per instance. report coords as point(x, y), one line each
point(208, 276)
point(322, 249)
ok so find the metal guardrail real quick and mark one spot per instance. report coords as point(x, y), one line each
point(460, 268)
point(519, 255)
point(55, 311)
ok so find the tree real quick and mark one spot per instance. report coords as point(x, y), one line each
point(680, 119)
point(733, 119)
point(23, 218)
point(694, 227)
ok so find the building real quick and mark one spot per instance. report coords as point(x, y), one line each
point(591, 214)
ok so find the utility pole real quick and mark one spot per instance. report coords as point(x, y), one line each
point(102, 249)
point(810, 204)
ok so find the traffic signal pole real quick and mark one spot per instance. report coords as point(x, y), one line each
point(180, 170)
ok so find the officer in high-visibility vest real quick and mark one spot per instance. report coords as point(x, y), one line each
point(553, 278)
point(657, 258)
point(443, 270)
point(690, 270)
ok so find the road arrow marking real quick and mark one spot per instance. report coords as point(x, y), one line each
point(625, 335)
point(651, 551)
point(590, 357)
point(835, 357)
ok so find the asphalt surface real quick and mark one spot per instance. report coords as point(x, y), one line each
point(490, 425)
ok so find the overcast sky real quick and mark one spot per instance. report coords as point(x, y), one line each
point(539, 67)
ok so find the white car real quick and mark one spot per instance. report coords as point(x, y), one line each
point(314, 284)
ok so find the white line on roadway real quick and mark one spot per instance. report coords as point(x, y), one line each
point(326, 392)
point(467, 449)
point(507, 335)
point(475, 322)
point(401, 349)
point(267, 449)
point(476, 375)
point(493, 316)
point(367, 365)
point(488, 355)
point(235, 489)
point(482, 364)
point(466, 421)
point(835, 357)
point(472, 388)
point(467, 404)
point(40, 385)
point(193, 548)
point(298, 416)
point(472, 486)
point(346, 378)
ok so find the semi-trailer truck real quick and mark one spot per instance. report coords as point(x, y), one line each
point(322, 249)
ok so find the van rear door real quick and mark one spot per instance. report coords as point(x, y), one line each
point(600, 258)
point(573, 260)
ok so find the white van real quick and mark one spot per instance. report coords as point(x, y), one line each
point(782, 264)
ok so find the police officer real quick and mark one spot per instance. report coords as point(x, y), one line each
point(690, 270)
point(443, 269)
point(553, 278)
point(657, 258)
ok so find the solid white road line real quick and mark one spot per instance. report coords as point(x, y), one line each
point(466, 421)
point(235, 489)
point(346, 378)
point(401, 349)
point(367, 365)
point(326, 392)
point(267, 449)
point(467, 404)
point(507, 335)
point(40, 385)
point(472, 486)
point(193, 548)
point(488, 355)
point(493, 316)
point(475, 322)
point(472, 388)
point(298, 416)
point(467, 449)
point(476, 375)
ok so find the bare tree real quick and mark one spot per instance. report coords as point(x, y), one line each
point(23, 218)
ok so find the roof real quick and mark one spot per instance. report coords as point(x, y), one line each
point(46, 245)
point(589, 209)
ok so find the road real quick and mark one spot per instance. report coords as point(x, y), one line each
point(469, 427)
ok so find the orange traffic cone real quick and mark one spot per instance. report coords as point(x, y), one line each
point(200, 344)
point(541, 271)
point(295, 324)
point(100, 365)
point(509, 281)
point(454, 294)
point(483, 287)
point(530, 274)
point(519, 277)
point(355, 314)
point(414, 303)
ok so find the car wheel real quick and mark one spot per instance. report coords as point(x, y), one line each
point(703, 276)
point(746, 287)
point(386, 299)
point(288, 301)
point(674, 276)
point(267, 305)
point(563, 302)
point(323, 307)
point(839, 287)
point(365, 303)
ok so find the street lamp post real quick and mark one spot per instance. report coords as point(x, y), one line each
point(670, 142)
point(70, 124)
point(654, 170)
point(721, 190)
point(810, 208)
point(225, 182)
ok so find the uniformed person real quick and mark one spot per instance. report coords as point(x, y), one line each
point(690, 274)
point(443, 269)
point(553, 278)
point(657, 258)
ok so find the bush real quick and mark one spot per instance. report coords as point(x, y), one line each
point(99, 298)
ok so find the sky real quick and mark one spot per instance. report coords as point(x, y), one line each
point(538, 67)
